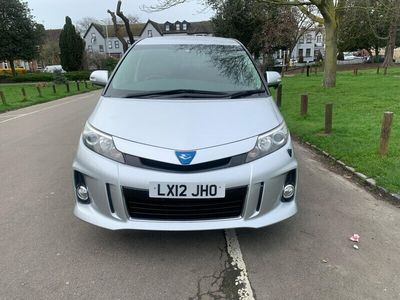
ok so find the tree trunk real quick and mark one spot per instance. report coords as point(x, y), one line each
point(11, 60)
point(126, 22)
point(117, 31)
point(391, 43)
point(376, 58)
point(330, 54)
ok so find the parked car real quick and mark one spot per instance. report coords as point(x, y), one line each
point(53, 68)
point(185, 136)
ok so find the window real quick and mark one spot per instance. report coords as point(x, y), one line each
point(308, 38)
point(319, 39)
point(101, 48)
point(308, 52)
point(301, 40)
point(300, 52)
point(109, 44)
point(167, 27)
point(93, 39)
point(116, 44)
point(185, 67)
point(90, 49)
point(178, 26)
point(184, 26)
point(150, 33)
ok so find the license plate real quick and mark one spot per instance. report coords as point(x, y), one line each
point(186, 190)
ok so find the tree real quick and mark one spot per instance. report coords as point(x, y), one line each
point(239, 19)
point(72, 47)
point(384, 19)
point(126, 21)
point(20, 35)
point(327, 12)
point(83, 24)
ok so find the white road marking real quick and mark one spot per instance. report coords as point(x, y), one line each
point(9, 116)
point(43, 109)
point(233, 248)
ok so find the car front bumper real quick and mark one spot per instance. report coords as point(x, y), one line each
point(263, 205)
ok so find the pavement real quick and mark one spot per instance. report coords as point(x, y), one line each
point(47, 253)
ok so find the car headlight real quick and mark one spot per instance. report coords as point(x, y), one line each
point(101, 143)
point(269, 142)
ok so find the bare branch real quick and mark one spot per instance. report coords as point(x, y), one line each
point(162, 5)
point(126, 22)
point(118, 33)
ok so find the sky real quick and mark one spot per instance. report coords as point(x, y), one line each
point(51, 13)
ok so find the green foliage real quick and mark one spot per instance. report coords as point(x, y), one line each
point(78, 75)
point(260, 26)
point(20, 35)
point(358, 105)
point(98, 61)
point(59, 77)
point(361, 24)
point(110, 64)
point(28, 77)
point(72, 47)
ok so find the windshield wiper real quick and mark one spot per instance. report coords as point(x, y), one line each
point(247, 93)
point(185, 93)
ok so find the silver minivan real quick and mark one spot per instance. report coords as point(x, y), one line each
point(185, 136)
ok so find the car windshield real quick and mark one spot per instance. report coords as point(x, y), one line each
point(206, 71)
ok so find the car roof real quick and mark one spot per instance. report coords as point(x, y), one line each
point(188, 40)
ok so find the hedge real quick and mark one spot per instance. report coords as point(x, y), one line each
point(41, 76)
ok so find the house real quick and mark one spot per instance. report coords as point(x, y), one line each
point(102, 39)
point(309, 45)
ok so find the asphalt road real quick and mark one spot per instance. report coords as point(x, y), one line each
point(46, 253)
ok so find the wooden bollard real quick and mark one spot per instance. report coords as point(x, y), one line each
point(279, 96)
point(355, 71)
point(54, 89)
point(3, 98)
point(304, 105)
point(328, 117)
point(377, 70)
point(39, 91)
point(385, 71)
point(67, 85)
point(308, 71)
point(23, 94)
point(385, 132)
point(78, 88)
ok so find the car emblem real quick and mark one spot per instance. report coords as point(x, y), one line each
point(186, 157)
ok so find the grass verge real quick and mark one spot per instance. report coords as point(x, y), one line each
point(15, 99)
point(358, 106)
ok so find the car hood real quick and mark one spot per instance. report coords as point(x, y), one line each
point(185, 124)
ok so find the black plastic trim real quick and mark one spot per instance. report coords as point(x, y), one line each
point(260, 195)
point(290, 179)
point(79, 179)
point(223, 163)
point(110, 202)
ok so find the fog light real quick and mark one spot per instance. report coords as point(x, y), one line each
point(82, 192)
point(288, 191)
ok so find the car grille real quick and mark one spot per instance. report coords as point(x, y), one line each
point(141, 206)
point(144, 163)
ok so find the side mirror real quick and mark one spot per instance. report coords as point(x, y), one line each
point(99, 77)
point(273, 78)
